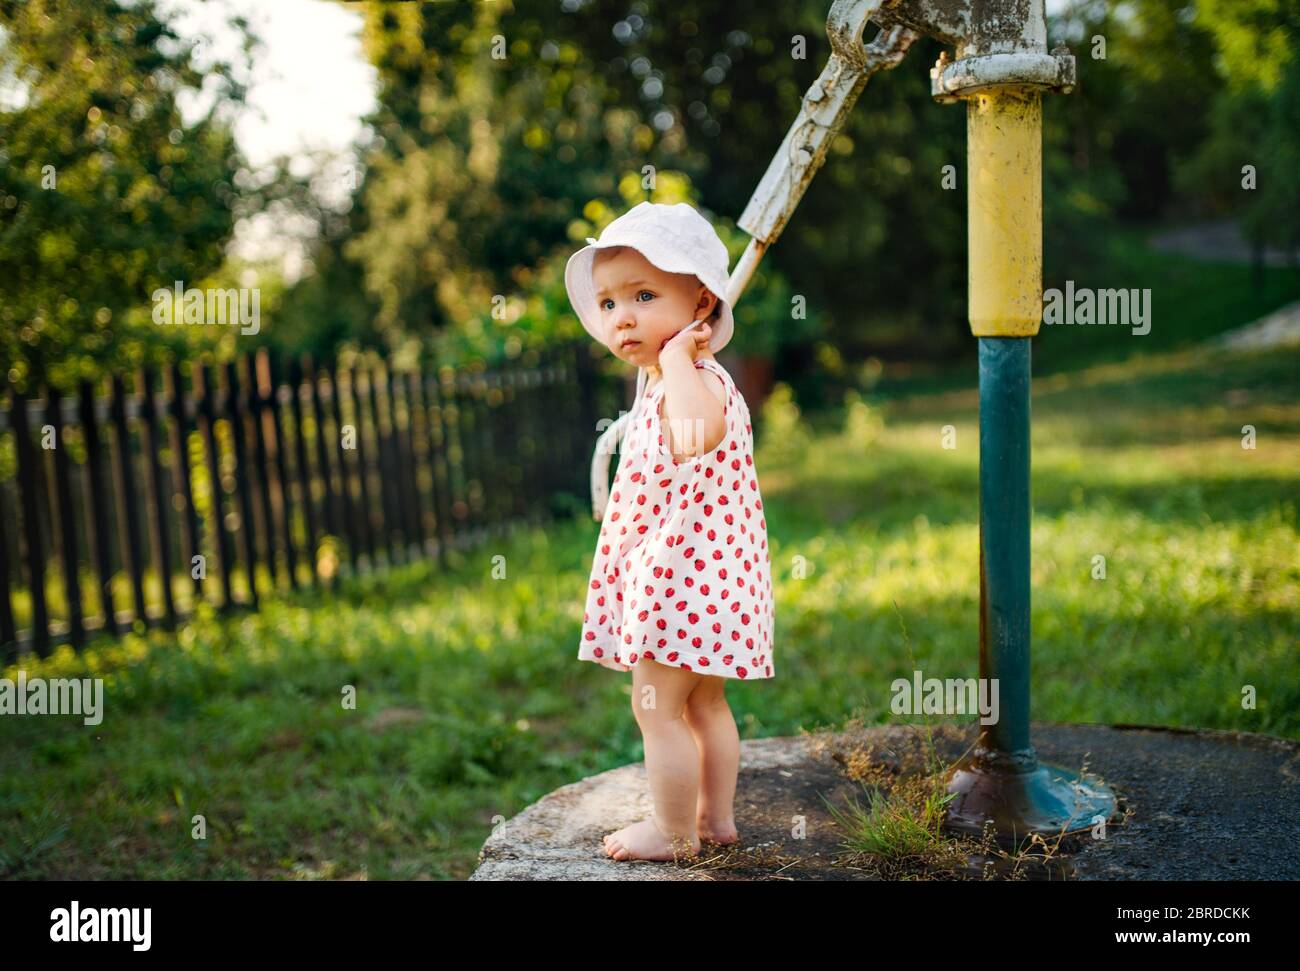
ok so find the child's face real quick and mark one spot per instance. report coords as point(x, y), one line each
point(642, 303)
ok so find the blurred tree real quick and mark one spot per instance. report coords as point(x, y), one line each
point(492, 135)
point(105, 195)
point(310, 201)
point(878, 242)
point(1256, 39)
point(1166, 80)
point(1254, 120)
point(501, 122)
point(508, 132)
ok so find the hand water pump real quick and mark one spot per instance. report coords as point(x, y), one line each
point(1000, 69)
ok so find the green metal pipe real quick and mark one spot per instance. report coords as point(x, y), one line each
point(1004, 367)
point(1000, 781)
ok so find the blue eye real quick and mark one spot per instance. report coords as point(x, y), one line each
point(607, 300)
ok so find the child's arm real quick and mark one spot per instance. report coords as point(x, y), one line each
point(694, 407)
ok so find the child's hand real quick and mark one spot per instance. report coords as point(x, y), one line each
point(687, 344)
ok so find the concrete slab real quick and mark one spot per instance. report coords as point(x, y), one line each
point(1194, 805)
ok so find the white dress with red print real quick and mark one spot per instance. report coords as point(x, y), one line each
point(681, 573)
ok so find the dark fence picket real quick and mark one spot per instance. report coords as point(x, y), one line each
point(478, 393)
point(174, 388)
point(305, 476)
point(97, 495)
point(570, 416)
point(366, 402)
point(565, 420)
point(459, 490)
point(402, 499)
point(421, 460)
point(234, 413)
point(67, 523)
point(370, 526)
point(8, 628)
point(457, 484)
point(206, 409)
point(550, 452)
point(273, 434)
point(331, 514)
point(532, 424)
point(380, 403)
point(531, 418)
point(27, 483)
point(501, 418)
point(517, 395)
point(440, 469)
point(405, 445)
point(390, 502)
point(128, 505)
point(483, 441)
point(585, 430)
point(467, 431)
point(543, 465)
point(520, 484)
point(158, 496)
point(497, 486)
point(454, 457)
point(259, 468)
point(345, 487)
point(557, 428)
point(537, 431)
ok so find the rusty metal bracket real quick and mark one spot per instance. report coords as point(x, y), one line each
point(953, 80)
point(997, 43)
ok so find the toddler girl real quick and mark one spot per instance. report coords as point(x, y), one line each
point(680, 591)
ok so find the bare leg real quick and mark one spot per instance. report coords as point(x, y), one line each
point(710, 720)
point(672, 761)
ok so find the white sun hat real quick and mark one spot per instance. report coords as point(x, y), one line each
point(676, 239)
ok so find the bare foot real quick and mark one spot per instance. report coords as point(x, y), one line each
point(721, 832)
point(646, 841)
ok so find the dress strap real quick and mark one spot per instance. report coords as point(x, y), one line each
point(715, 367)
point(706, 363)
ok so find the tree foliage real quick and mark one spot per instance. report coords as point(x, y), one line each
point(104, 194)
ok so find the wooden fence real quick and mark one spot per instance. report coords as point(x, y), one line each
point(136, 505)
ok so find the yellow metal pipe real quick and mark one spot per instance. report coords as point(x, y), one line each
point(1004, 168)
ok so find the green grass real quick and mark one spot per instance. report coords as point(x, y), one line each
point(1191, 300)
point(471, 703)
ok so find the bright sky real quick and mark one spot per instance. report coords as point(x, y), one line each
point(309, 87)
point(311, 84)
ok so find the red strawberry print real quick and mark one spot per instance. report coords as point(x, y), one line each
point(655, 504)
